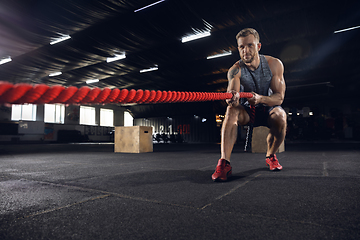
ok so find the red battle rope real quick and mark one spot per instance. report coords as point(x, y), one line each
point(39, 94)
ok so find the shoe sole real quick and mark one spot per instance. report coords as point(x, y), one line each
point(228, 175)
point(275, 169)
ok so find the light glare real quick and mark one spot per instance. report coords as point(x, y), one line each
point(195, 36)
point(92, 81)
point(149, 69)
point(346, 29)
point(5, 60)
point(60, 39)
point(55, 74)
point(117, 57)
point(225, 53)
point(137, 10)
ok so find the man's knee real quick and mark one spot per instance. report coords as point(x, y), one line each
point(244, 117)
point(237, 115)
point(278, 117)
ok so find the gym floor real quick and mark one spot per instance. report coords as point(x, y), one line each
point(86, 191)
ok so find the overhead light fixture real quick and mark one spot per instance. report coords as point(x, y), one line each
point(92, 81)
point(55, 74)
point(60, 39)
point(117, 57)
point(223, 54)
point(150, 5)
point(346, 29)
point(5, 60)
point(149, 69)
point(195, 36)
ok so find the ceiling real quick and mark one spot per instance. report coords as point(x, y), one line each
point(319, 64)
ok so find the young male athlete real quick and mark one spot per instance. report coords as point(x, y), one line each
point(263, 76)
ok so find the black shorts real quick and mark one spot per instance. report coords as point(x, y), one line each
point(259, 115)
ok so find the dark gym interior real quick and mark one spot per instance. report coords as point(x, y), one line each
point(62, 179)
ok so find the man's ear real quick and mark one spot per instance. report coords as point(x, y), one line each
point(259, 46)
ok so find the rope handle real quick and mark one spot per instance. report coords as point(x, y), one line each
point(40, 94)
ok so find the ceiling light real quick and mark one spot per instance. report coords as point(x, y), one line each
point(117, 57)
point(225, 53)
point(195, 36)
point(60, 39)
point(346, 29)
point(5, 60)
point(92, 81)
point(149, 5)
point(149, 69)
point(55, 74)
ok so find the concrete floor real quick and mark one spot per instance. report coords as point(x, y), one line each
point(86, 191)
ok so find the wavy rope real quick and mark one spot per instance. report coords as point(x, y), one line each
point(41, 93)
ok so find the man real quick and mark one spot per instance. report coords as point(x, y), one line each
point(263, 76)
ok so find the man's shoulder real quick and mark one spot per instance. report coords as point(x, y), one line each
point(234, 66)
point(237, 65)
point(235, 70)
point(274, 63)
point(272, 60)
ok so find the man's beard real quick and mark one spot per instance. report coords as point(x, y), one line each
point(249, 60)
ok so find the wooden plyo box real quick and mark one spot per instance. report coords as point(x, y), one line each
point(137, 139)
point(259, 144)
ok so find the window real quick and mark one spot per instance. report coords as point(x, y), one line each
point(128, 119)
point(87, 115)
point(23, 112)
point(54, 113)
point(106, 117)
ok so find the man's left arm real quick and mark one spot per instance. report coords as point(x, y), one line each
point(277, 85)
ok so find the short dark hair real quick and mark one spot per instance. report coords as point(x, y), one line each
point(246, 32)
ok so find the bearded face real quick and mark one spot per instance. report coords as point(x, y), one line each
point(248, 48)
point(248, 57)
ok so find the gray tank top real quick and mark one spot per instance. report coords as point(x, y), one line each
point(255, 81)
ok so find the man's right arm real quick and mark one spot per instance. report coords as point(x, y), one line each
point(234, 75)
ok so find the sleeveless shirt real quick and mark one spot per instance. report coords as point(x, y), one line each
point(255, 81)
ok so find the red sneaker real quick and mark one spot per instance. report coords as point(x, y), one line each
point(223, 171)
point(273, 163)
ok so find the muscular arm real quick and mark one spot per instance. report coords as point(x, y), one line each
point(277, 85)
point(233, 75)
